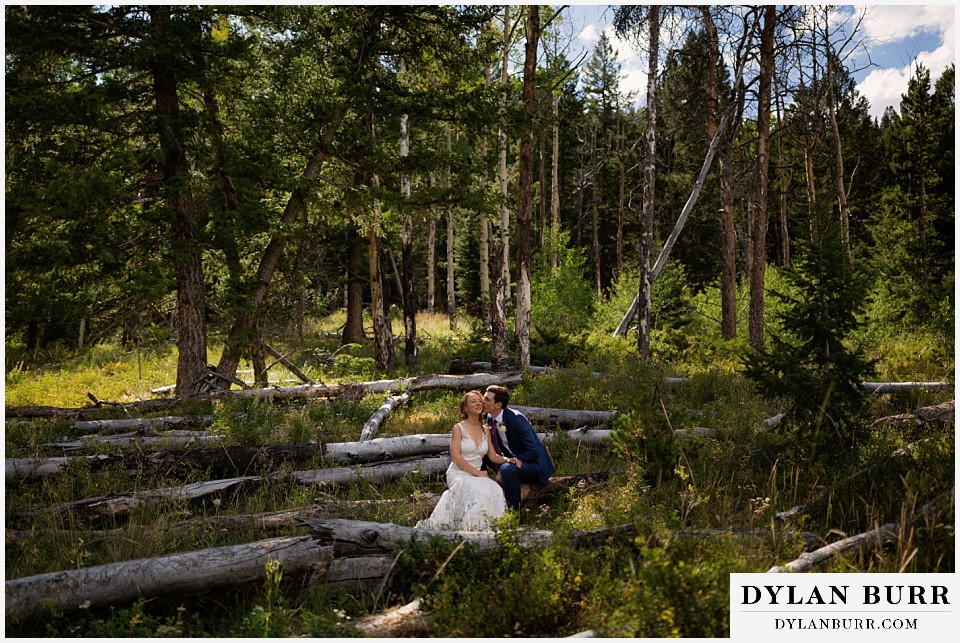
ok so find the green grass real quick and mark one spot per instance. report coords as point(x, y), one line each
point(657, 583)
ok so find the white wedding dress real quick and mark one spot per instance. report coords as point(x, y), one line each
point(470, 503)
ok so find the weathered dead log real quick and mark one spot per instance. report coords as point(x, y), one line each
point(565, 417)
point(584, 435)
point(358, 537)
point(432, 467)
point(896, 387)
point(936, 414)
point(477, 381)
point(875, 537)
point(379, 449)
point(105, 409)
point(190, 572)
point(125, 503)
point(41, 467)
point(140, 439)
point(400, 621)
point(372, 426)
point(111, 427)
point(283, 360)
point(233, 461)
point(265, 523)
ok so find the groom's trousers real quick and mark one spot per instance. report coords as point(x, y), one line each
point(511, 477)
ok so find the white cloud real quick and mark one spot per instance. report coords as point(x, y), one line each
point(894, 23)
point(891, 28)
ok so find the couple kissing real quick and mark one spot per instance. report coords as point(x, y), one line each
point(489, 437)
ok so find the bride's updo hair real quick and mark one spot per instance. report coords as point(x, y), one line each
point(463, 402)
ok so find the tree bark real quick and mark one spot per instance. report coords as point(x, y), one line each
point(353, 328)
point(372, 425)
point(401, 621)
point(361, 537)
point(525, 212)
point(758, 200)
point(124, 503)
point(649, 194)
point(555, 182)
point(499, 348)
point(406, 242)
point(432, 254)
point(382, 333)
point(190, 572)
point(185, 247)
point(502, 164)
point(485, 296)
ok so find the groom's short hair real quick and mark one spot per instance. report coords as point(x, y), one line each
point(500, 394)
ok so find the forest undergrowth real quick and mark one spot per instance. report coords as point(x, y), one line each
point(699, 508)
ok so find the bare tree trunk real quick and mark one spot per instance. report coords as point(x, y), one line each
point(622, 193)
point(782, 176)
point(186, 222)
point(649, 183)
point(555, 181)
point(595, 213)
point(353, 328)
point(484, 228)
point(502, 166)
point(382, 333)
point(499, 349)
point(451, 282)
point(759, 195)
point(432, 255)
point(406, 240)
point(525, 212)
point(837, 143)
point(542, 187)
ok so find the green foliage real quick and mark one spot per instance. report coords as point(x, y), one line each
point(810, 363)
point(562, 298)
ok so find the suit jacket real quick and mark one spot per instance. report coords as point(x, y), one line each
point(524, 443)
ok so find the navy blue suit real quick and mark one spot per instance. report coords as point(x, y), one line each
point(527, 447)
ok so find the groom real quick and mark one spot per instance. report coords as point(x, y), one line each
point(513, 435)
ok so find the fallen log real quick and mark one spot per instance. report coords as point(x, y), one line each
point(877, 537)
point(401, 621)
point(372, 426)
point(896, 387)
point(936, 414)
point(233, 461)
point(42, 467)
point(266, 523)
point(188, 573)
point(125, 503)
point(360, 537)
point(111, 427)
point(140, 439)
point(584, 435)
point(380, 449)
point(357, 390)
point(478, 381)
point(283, 360)
point(565, 417)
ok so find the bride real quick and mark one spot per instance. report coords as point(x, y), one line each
point(472, 500)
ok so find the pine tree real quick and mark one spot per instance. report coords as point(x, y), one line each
point(811, 362)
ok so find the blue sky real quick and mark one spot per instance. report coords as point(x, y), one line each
point(898, 37)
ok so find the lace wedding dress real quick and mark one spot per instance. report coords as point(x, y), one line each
point(469, 503)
